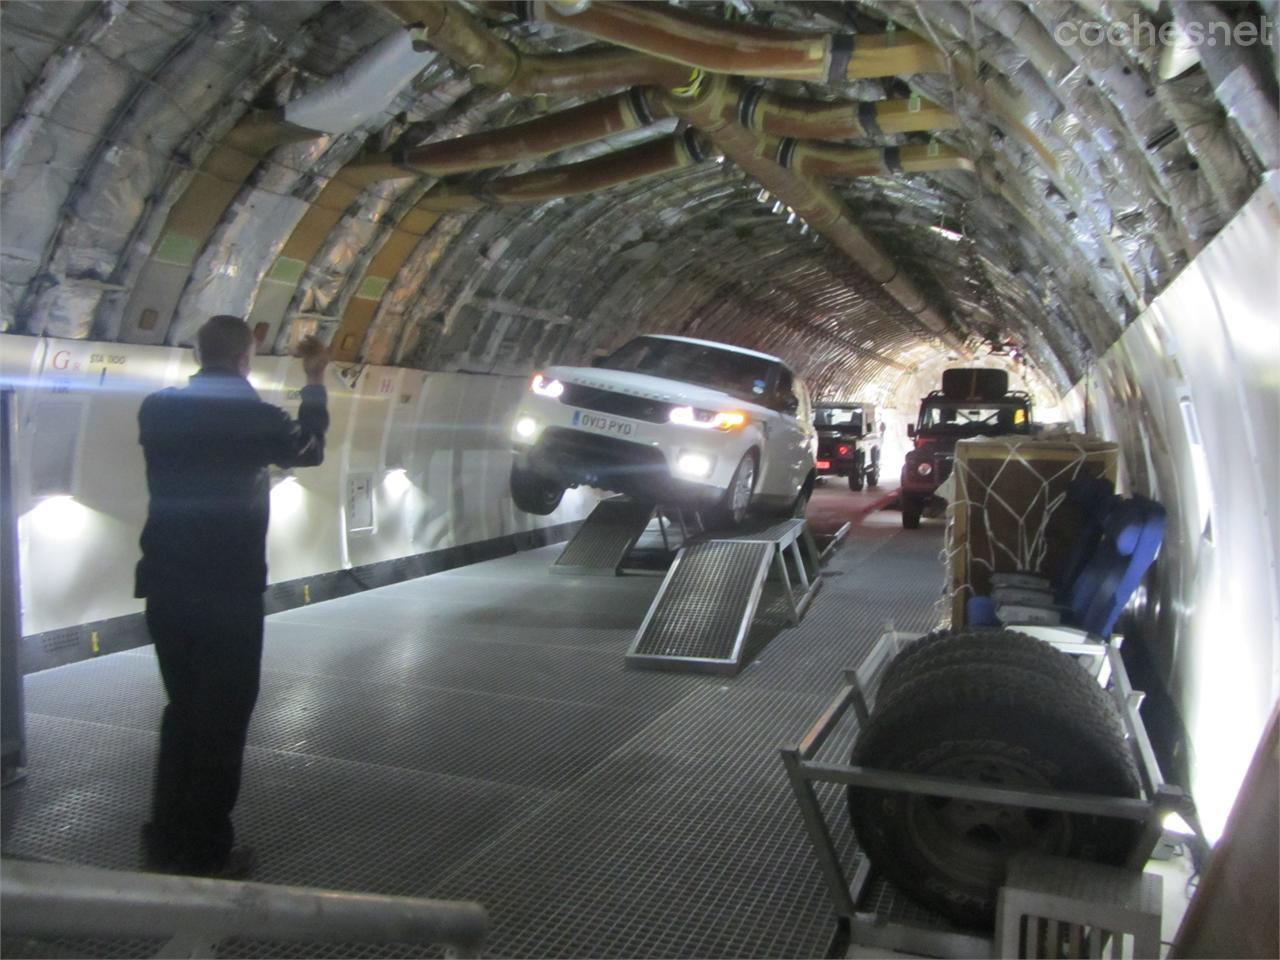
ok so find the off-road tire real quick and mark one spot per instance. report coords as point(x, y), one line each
point(534, 493)
point(891, 674)
point(996, 724)
point(856, 477)
point(946, 649)
point(873, 476)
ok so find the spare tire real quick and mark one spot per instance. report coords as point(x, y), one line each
point(952, 647)
point(891, 676)
point(992, 723)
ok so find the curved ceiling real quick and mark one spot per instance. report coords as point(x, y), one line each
point(166, 161)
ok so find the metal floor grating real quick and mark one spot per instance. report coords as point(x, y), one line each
point(669, 861)
point(705, 600)
point(474, 734)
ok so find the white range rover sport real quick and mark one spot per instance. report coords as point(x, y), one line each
point(668, 420)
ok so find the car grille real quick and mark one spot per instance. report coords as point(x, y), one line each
point(579, 457)
point(579, 445)
point(620, 404)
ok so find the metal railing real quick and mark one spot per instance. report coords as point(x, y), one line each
point(60, 901)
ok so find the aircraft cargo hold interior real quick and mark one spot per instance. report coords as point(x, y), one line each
point(744, 479)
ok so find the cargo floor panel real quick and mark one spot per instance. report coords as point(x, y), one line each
point(475, 734)
point(666, 857)
point(89, 790)
point(460, 662)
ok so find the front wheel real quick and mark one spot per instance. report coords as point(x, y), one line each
point(533, 493)
point(873, 475)
point(733, 506)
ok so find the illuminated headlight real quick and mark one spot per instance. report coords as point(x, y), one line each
point(708, 419)
point(694, 464)
point(924, 468)
point(546, 388)
point(526, 428)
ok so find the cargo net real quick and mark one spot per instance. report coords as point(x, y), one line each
point(1005, 512)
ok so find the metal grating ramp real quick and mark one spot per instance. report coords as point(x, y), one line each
point(701, 615)
point(704, 610)
point(601, 545)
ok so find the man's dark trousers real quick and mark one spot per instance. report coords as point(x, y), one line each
point(209, 645)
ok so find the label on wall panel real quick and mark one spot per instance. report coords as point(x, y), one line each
point(177, 248)
point(359, 502)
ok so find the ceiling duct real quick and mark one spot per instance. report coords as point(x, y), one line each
point(719, 46)
point(654, 157)
point(492, 62)
point(638, 107)
point(817, 159)
point(712, 110)
point(771, 113)
point(536, 138)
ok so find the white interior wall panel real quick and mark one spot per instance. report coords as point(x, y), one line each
point(448, 488)
point(1190, 391)
point(305, 536)
point(78, 550)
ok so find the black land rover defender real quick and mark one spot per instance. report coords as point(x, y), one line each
point(848, 442)
point(971, 403)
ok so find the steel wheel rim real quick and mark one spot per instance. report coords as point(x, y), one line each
point(971, 842)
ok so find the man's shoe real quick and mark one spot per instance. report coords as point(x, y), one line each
point(239, 865)
point(155, 858)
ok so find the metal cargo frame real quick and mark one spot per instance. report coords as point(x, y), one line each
point(1103, 661)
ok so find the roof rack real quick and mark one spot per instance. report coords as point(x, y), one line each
point(1010, 396)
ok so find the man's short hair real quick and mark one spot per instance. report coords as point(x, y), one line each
point(222, 341)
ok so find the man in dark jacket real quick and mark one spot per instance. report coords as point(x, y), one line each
point(203, 573)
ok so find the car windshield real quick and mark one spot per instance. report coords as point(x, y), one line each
point(975, 418)
point(737, 374)
point(848, 419)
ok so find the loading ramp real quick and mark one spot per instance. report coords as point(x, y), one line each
point(612, 540)
point(702, 615)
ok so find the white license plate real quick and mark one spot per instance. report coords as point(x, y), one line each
point(603, 423)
